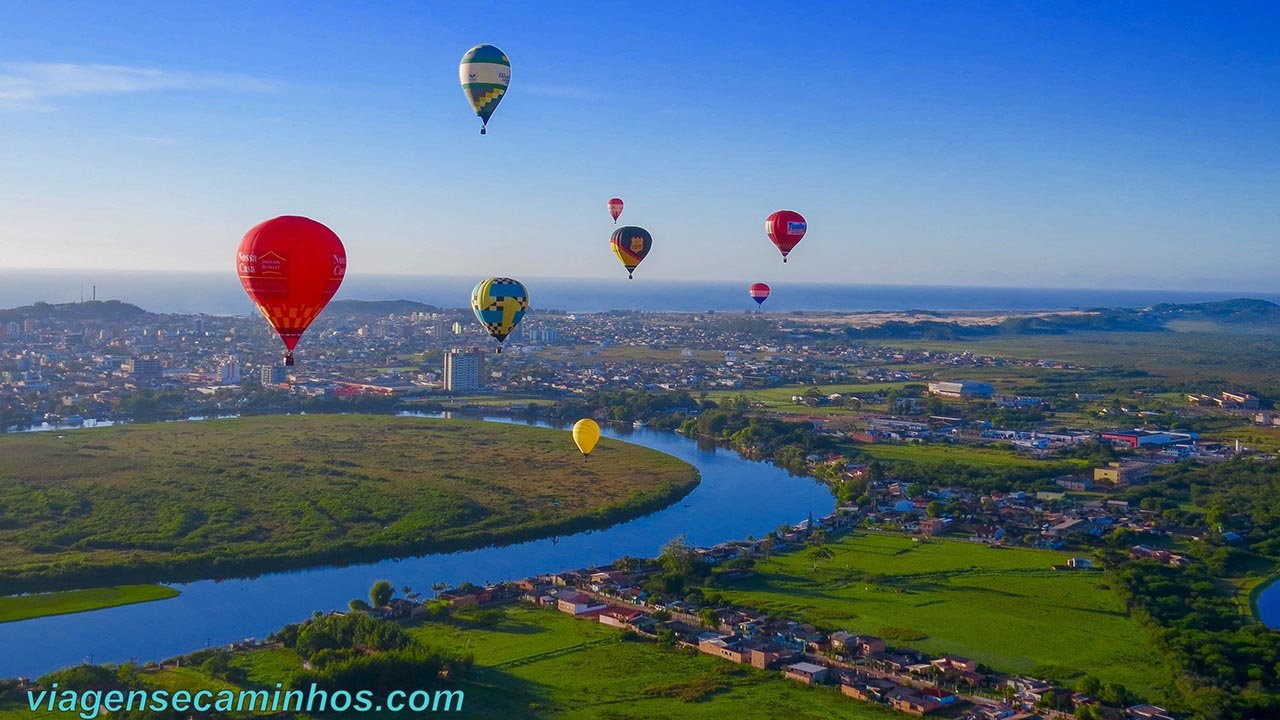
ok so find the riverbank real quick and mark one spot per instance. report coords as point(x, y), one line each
point(26, 607)
point(1253, 596)
point(231, 498)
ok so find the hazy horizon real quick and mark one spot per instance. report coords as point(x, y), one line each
point(220, 293)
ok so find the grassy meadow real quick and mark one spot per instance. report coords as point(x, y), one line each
point(25, 607)
point(146, 502)
point(1005, 608)
point(538, 663)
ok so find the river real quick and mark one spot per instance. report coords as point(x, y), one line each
point(1268, 604)
point(736, 498)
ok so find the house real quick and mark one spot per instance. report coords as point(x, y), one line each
point(578, 603)
point(620, 617)
point(841, 640)
point(1147, 712)
point(1120, 474)
point(1075, 483)
point(723, 647)
point(869, 645)
point(890, 662)
point(1071, 526)
point(459, 599)
point(765, 654)
point(806, 672)
point(908, 701)
point(947, 663)
point(866, 687)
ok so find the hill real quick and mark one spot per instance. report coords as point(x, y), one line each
point(378, 307)
point(1153, 319)
point(170, 501)
point(106, 310)
point(1240, 310)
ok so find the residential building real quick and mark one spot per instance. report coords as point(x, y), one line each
point(806, 672)
point(274, 375)
point(462, 370)
point(963, 390)
point(1120, 474)
point(229, 372)
point(143, 368)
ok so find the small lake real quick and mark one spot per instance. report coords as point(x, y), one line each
point(736, 498)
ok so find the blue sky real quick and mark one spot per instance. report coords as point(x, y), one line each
point(1131, 144)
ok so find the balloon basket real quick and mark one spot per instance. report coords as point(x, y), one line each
point(288, 360)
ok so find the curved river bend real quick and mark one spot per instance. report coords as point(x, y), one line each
point(1267, 604)
point(736, 498)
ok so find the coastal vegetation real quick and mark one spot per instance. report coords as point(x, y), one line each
point(25, 607)
point(224, 497)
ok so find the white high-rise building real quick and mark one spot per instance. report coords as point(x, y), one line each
point(229, 372)
point(462, 370)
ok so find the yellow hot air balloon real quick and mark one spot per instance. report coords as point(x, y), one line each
point(586, 433)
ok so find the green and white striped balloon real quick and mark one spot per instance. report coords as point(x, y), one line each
point(484, 73)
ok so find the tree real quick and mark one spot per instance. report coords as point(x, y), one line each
point(934, 509)
point(358, 605)
point(875, 471)
point(1088, 712)
point(381, 592)
point(1090, 685)
point(820, 552)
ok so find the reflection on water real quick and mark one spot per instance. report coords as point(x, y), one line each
point(736, 498)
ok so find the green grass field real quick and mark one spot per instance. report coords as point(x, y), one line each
point(779, 399)
point(25, 607)
point(1004, 608)
point(546, 664)
point(538, 663)
point(301, 488)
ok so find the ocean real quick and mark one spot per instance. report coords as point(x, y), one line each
point(221, 294)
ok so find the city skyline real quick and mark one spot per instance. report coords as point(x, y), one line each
point(1048, 146)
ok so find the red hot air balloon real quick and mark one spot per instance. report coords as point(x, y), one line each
point(291, 267)
point(759, 292)
point(785, 228)
point(615, 208)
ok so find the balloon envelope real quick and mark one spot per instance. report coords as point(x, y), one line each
point(586, 433)
point(785, 228)
point(485, 73)
point(615, 208)
point(290, 266)
point(759, 292)
point(499, 304)
point(631, 245)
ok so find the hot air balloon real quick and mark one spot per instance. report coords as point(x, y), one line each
point(291, 267)
point(631, 245)
point(586, 433)
point(484, 73)
point(499, 303)
point(759, 292)
point(785, 228)
point(615, 208)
